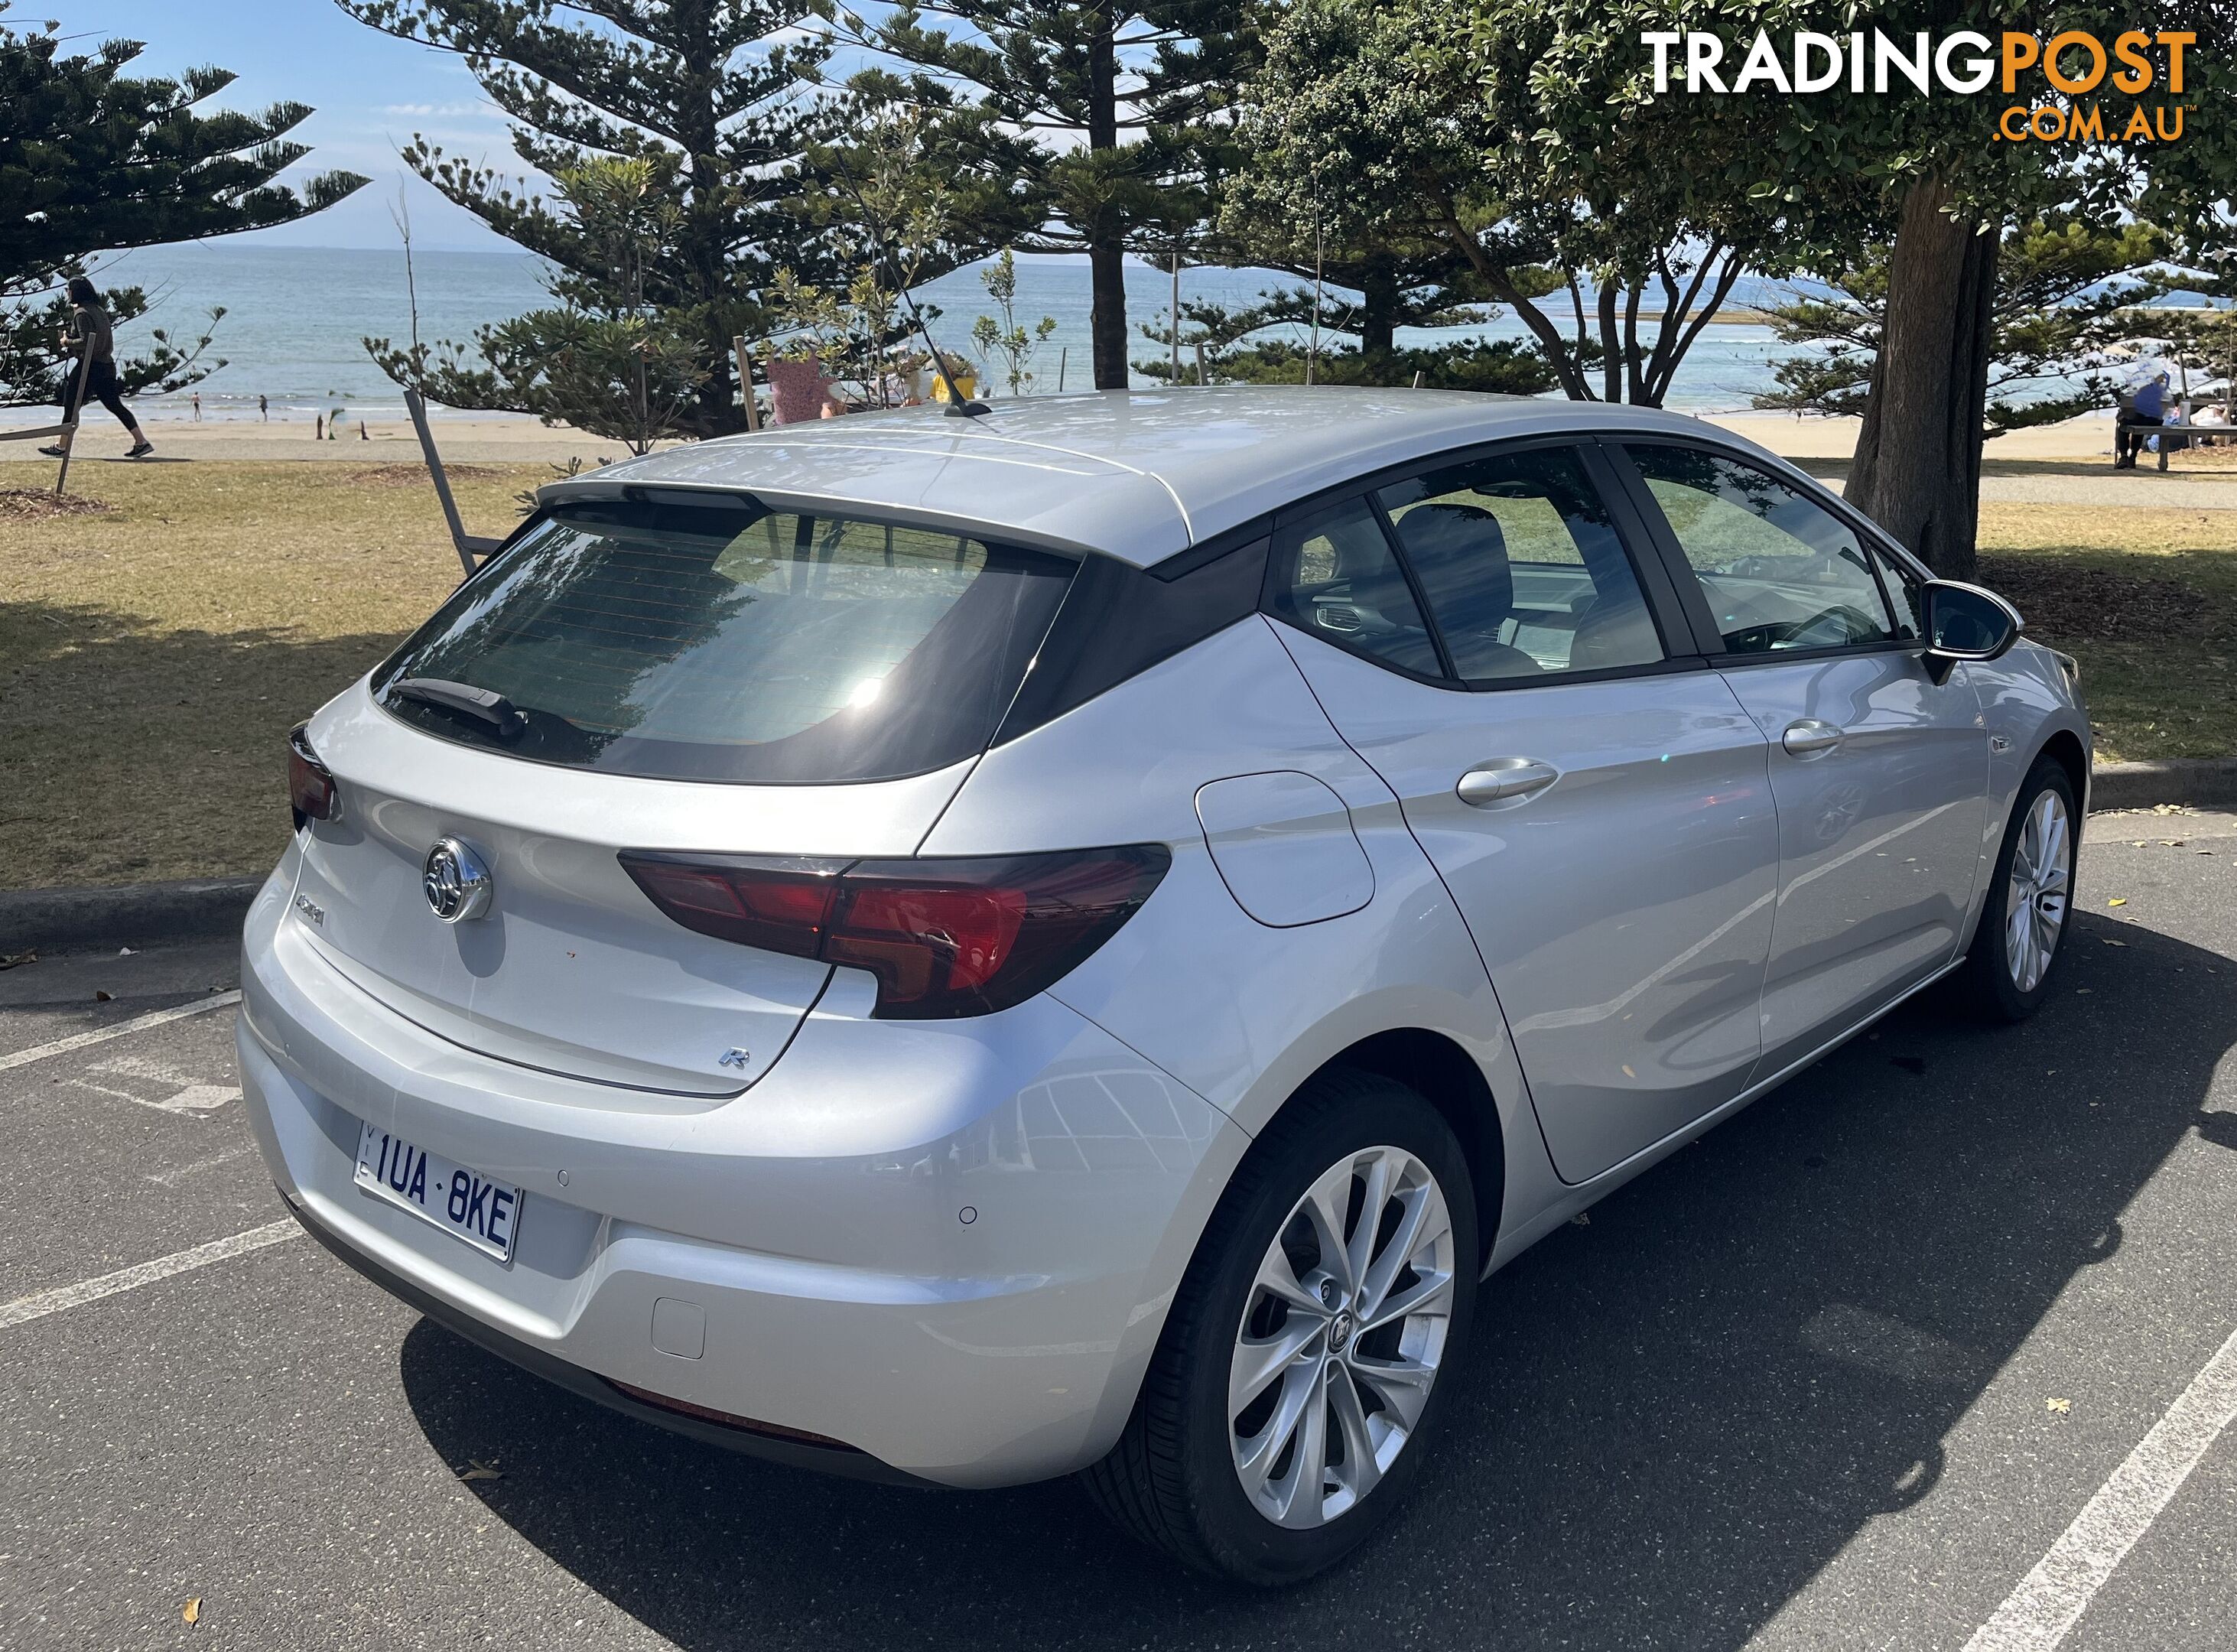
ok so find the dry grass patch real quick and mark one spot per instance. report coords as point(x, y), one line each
point(415, 475)
point(152, 657)
point(42, 505)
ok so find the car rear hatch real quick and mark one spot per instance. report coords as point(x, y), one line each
point(667, 677)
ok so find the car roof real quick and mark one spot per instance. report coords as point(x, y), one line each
point(1139, 475)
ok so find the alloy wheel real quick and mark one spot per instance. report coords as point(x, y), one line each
point(2036, 896)
point(1342, 1337)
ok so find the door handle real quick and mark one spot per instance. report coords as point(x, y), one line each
point(1505, 779)
point(1809, 736)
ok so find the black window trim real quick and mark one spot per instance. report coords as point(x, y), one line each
point(1672, 624)
point(1695, 603)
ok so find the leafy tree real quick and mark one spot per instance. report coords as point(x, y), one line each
point(1126, 100)
point(2064, 300)
point(95, 159)
point(708, 91)
point(918, 186)
point(1523, 137)
point(1948, 191)
point(604, 358)
point(1006, 338)
point(1354, 348)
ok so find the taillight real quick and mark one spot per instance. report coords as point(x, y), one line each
point(311, 791)
point(943, 937)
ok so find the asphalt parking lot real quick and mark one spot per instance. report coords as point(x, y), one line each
point(1932, 1347)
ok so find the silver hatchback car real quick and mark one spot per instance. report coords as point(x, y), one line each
point(971, 950)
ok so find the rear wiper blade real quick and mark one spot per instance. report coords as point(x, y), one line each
point(484, 705)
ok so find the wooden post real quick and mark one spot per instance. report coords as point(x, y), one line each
point(738, 348)
point(77, 413)
point(1063, 351)
point(1200, 378)
point(469, 546)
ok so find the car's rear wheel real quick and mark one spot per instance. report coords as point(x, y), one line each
point(1311, 1344)
point(2023, 917)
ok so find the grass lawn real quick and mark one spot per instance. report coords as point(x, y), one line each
point(153, 656)
point(2146, 598)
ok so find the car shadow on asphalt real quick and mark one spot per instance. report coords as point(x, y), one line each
point(1675, 1414)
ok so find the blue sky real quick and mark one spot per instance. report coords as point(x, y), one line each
point(371, 94)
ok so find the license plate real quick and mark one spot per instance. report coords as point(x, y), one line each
point(462, 1202)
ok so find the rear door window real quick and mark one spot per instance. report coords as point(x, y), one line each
point(733, 643)
point(1780, 572)
point(1334, 576)
point(1522, 566)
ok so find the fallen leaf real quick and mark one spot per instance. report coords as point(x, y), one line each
point(192, 1611)
point(2118, 900)
point(2059, 1406)
point(2115, 943)
point(477, 1470)
point(1583, 1219)
point(104, 997)
point(10, 959)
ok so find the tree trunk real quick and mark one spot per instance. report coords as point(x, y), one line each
point(1917, 469)
point(714, 411)
point(1378, 307)
point(1106, 251)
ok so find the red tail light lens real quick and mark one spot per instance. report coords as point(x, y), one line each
point(943, 937)
point(311, 791)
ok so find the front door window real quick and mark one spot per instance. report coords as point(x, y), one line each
point(1780, 572)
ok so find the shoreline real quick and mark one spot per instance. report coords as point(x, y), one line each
point(483, 439)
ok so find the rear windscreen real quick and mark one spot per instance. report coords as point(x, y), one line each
point(731, 644)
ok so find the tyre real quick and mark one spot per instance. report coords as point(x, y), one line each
point(1312, 1345)
point(2015, 951)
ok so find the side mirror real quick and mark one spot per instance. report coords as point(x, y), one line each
point(1965, 622)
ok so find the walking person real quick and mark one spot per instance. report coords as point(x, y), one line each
point(264, 409)
point(198, 406)
point(91, 346)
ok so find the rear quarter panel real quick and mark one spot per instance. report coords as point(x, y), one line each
point(1241, 1012)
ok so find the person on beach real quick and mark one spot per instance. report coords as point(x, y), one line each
point(2146, 409)
point(91, 345)
point(264, 409)
point(198, 406)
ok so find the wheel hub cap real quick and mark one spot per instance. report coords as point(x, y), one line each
point(1342, 1337)
point(2035, 895)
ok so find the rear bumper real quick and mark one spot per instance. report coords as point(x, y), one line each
point(948, 1246)
point(774, 1448)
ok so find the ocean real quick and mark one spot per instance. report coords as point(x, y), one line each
point(295, 319)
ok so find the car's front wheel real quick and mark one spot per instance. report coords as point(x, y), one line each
point(2023, 916)
point(1311, 1343)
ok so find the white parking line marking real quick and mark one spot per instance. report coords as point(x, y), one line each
point(2051, 1599)
point(38, 1307)
point(185, 1094)
point(102, 1035)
